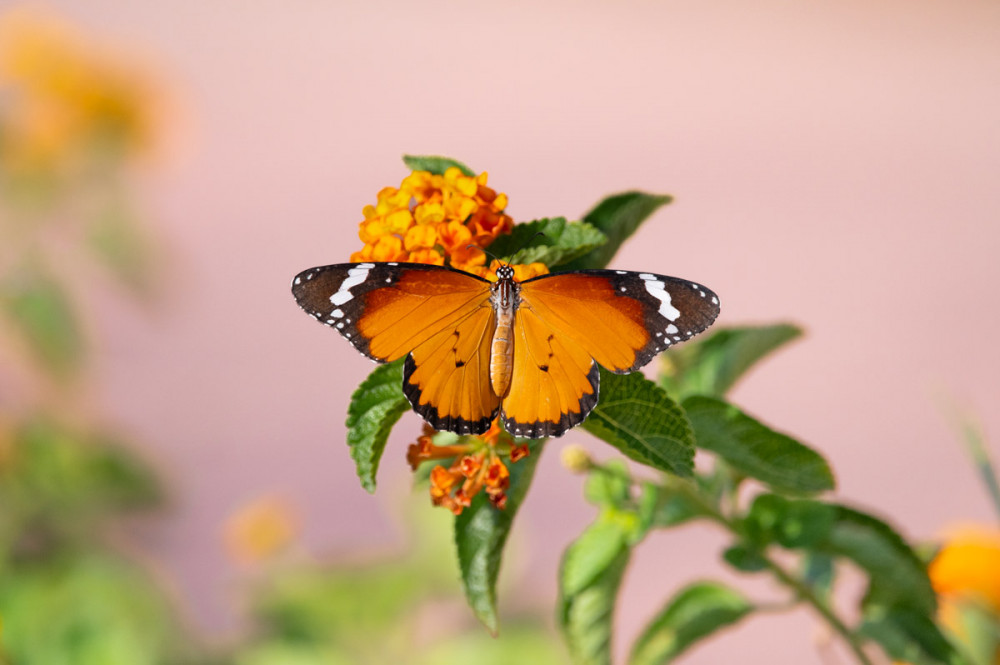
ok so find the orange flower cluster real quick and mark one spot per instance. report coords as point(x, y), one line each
point(968, 566)
point(67, 94)
point(437, 219)
point(477, 464)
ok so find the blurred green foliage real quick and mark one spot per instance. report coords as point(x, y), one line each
point(73, 589)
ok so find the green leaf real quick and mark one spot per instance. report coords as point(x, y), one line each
point(590, 555)
point(86, 608)
point(480, 534)
point(562, 241)
point(119, 243)
point(793, 524)
point(897, 576)
point(756, 450)
point(818, 572)
point(435, 164)
point(40, 310)
point(617, 217)
point(696, 612)
point(589, 579)
point(907, 635)
point(744, 558)
point(375, 407)
point(64, 480)
point(712, 365)
point(676, 508)
point(608, 485)
point(635, 416)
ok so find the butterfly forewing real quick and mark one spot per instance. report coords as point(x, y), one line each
point(622, 319)
point(388, 309)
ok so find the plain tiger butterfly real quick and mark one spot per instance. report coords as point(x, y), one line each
point(526, 351)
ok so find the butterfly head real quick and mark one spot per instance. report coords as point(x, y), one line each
point(505, 272)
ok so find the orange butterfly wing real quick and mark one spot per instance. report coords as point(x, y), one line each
point(619, 319)
point(440, 318)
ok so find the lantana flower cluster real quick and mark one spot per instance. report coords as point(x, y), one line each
point(440, 220)
point(449, 220)
point(476, 465)
point(67, 95)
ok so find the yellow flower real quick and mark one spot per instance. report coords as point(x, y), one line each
point(968, 566)
point(419, 237)
point(67, 96)
point(261, 529)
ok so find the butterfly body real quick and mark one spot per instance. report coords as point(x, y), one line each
point(524, 351)
point(504, 297)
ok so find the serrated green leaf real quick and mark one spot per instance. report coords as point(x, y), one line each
point(897, 576)
point(375, 407)
point(480, 534)
point(590, 555)
point(696, 612)
point(40, 310)
point(756, 450)
point(585, 616)
point(713, 364)
point(617, 217)
point(562, 241)
point(435, 164)
point(907, 635)
point(638, 418)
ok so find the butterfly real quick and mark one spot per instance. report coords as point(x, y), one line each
point(524, 351)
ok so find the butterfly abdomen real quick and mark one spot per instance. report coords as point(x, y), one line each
point(504, 299)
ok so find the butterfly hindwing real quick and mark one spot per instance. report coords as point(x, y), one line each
point(622, 319)
point(447, 380)
point(388, 309)
point(555, 381)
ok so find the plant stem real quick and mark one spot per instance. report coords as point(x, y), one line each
point(802, 590)
point(805, 593)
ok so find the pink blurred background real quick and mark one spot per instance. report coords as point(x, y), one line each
point(835, 164)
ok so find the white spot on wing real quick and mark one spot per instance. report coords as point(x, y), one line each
point(355, 276)
point(619, 272)
point(337, 313)
point(657, 290)
point(648, 277)
point(298, 280)
point(715, 301)
point(671, 329)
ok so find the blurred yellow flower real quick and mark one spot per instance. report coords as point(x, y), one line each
point(261, 529)
point(66, 96)
point(968, 566)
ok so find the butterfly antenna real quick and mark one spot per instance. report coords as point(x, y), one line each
point(487, 253)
